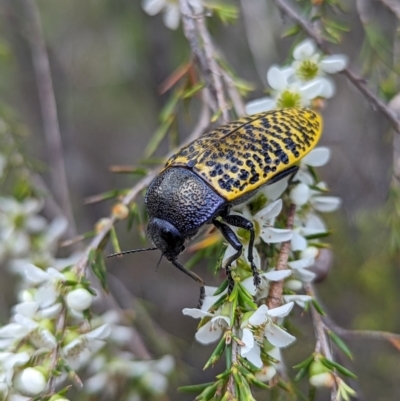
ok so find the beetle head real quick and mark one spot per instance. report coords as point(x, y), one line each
point(166, 237)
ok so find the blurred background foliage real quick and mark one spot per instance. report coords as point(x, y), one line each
point(108, 60)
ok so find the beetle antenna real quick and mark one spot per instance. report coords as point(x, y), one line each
point(131, 251)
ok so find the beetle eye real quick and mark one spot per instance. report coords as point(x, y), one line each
point(167, 236)
point(173, 239)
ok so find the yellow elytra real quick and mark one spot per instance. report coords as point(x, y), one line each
point(239, 157)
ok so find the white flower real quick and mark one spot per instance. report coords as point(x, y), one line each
point(274, 275)
point(30, 382)
point(287, 92)
point(79, 299)
point(170, 9)
point(261, 324)
point(302, 194)
point(210, 298)
point(8, 361)
point(213, 329)
point(91, 341)
point(18, 220)
point(309, 63)
point(300, 271)
point(300, 300)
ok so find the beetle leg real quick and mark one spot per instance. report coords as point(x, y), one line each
point(233, 240)
point(241, 222)
point(195, 277)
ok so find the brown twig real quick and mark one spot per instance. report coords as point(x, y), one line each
point(322, 342)
point(209, 52)
point(190, 31)
point(393, 6)
point(48, 108)
point(274, 298)
point(392, 338)
point(357, 81)
point(234, 94)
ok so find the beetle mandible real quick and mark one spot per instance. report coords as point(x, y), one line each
point(225, 167)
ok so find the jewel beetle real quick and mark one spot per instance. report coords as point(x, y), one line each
point(223, 168)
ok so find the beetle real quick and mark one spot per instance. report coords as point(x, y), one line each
point(223, 168)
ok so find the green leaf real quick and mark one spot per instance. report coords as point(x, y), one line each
point(291, 31)
point(248, 365)
point(304, 363)
point(227, 13)
point(98, 266)
point(340, 343)
point(114, 240)
point(195, 388)
point(318, 307)
point(217, 353)
point(341, 369)
point(318, 235)
point(193, 90)
point(222, 287)
point(158, 136)
point(216, 116)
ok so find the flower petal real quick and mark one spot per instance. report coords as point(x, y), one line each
point(304, 177)
point(253, 356)
point(298, 242)
point(317, 157)
point(208, 333)
point(313, 225)
point(299, 299)
point(34, 274)
point(304, 50)
point(301, 263)
point(196, 313)
point(334, 63)
point(277, 275)
point(326, 204)
point(328, 88)
point(281, 311)
point(269, 212)
point(275, 190)
point(171, 16)
point(259, 316)
point(278, 78)
point(27, 309)
point(277, 336)
point(260, 105)
point(153, 7)
point(248, 339)
point(272, 235)
point(312, 89)
point(101, 333)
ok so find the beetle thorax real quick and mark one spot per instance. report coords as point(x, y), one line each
point(181, 198)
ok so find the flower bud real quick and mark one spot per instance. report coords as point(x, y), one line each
point(320, 375)
point(300, 194)
point(120, 211)
point(30, 382)
point(101, 224)
point(267, 373)
point(310, 252)
point(79, 299)
point(293, 285)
